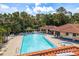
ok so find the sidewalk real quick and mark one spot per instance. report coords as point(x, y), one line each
point(12, 46)
point(53, 40)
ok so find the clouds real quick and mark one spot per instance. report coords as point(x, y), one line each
point(37, 4)
point(2, 6)
point(6, 9)
point(29, 10)
point(76, 10)
point(34, 8)
point(43, 9)
point(39, 9)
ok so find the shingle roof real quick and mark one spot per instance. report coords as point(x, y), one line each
point(73, 28)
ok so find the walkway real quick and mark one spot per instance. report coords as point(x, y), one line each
point(53, 40)
point(13, 46)
point(58, 41)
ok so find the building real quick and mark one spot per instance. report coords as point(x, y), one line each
point(68, 31)
point(48, 29)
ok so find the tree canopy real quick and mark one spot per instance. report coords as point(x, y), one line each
point(17, 22)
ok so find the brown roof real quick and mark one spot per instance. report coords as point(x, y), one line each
point(73, 28)
point(49, 27)
point(54, 51)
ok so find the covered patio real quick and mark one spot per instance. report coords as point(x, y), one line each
point(48, 29)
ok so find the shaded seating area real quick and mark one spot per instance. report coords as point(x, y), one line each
point(48, 29)
point(69, 40)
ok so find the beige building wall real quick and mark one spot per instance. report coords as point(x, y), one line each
point(70, 35)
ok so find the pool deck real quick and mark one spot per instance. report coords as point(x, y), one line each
point(12, 47)
point(75, 44)
point(57, 42)
point(53, 40)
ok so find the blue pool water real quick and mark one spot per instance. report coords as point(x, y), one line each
point(35, 42)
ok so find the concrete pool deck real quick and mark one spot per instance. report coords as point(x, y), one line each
point(57, 42)
point(53, 40)
point(13, 46)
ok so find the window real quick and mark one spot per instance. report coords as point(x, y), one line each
point(74, 34)
point(77, 34)
point(67, 34)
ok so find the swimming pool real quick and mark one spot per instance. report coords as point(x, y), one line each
point(35, 42)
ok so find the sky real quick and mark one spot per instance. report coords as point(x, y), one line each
point(34, 8)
